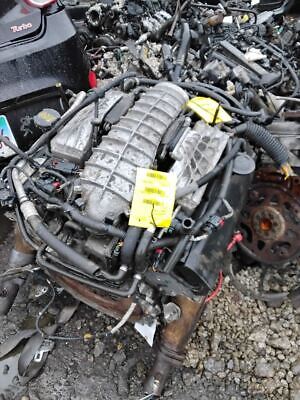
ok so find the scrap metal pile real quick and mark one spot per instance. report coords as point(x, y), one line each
point(136, 197)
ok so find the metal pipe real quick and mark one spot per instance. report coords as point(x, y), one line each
point(174, 339)
point(115, 308)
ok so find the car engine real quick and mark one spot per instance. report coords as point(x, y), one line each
point(185, 151)
point(155, 258)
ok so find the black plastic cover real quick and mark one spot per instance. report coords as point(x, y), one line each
point(30, 71)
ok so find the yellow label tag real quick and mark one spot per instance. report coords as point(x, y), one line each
point(245, 18)
point(153, 199)
point(209, 110)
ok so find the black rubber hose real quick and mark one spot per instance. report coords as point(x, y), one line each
point(260, 136)
point(84, 220)
point(129, 246)
point(181, 246)
point(223, 93)
point(69, 254)
point(142, 250)
point(213, 209)
point(116, 292)
point(213, 173)
point(182, 51)
point(262, 296)
point(176, 255)
point(57, 260)
point(93, 224)
point(165, 242)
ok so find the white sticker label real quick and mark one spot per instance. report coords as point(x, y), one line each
point(228, 19)
point(255, 2)
point(6, 131)
point(147, 331)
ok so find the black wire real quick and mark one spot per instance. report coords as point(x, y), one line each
point(211, 91)
point(152, 215)
point(41, 314)
point(263, 296)
point(18, 151)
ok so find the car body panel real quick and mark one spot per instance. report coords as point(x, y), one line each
point(18, 20)
point(33, 68)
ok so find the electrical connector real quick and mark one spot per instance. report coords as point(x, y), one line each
point(237, 238)
point(214, 222)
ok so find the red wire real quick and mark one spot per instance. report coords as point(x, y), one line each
point(217, 289)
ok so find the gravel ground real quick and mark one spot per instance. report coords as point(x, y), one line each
point(241, 349)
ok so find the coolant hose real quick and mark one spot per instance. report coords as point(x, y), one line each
point(141, 253)
point(182, 51)
point(130, 243)
point(69, 254)
point(260, 136)
point(93, 224)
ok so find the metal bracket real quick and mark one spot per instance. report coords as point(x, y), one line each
point(45, 347)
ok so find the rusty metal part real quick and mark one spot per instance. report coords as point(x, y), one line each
point(115, 308)
point(216, 19)
point(174, 338)
point(22, 254)
point(20, 245)
point(271, 219)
